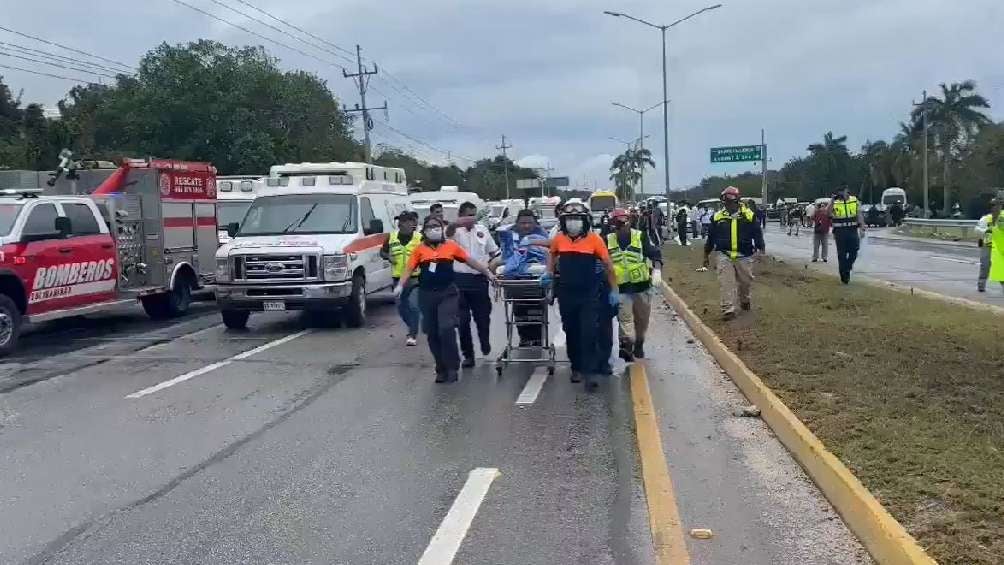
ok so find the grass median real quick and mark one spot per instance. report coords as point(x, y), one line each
point(907, 391)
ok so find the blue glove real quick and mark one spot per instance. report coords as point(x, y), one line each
point(546, 279)
point(614, 298)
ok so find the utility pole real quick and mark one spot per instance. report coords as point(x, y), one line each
point(763, 166)
point(505, 160)
point(923, 113)
point(362, 80)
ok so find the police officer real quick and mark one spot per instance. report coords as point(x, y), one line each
point(985, 228)
point(737, 236)
point(848, 229)
point(575, 251)
point(397, 249)
point(438, 297)
point(630, 250)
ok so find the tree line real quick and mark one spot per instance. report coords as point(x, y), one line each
point(231, 106)
point(965, 152)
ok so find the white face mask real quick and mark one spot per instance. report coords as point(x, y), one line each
point(574, 226)
point(434, 234)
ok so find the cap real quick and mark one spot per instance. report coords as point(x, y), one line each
point(730, 193)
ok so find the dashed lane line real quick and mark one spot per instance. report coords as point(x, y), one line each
point(213, 366)
point(453, 529)
point(532, 388)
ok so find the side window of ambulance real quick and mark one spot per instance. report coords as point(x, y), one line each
point(365, 212)
point(82, 220)
point(41, 219)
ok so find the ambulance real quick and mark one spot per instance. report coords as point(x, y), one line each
point(234, 194)
point(311, 241)
point(96, 239)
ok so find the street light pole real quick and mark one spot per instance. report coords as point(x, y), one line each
point(641, 134)
point(665, 90)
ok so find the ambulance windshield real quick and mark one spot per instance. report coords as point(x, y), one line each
point(8, 214)
point(301, 213)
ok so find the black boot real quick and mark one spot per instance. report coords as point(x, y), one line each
point(576, 377)
point(639, 349)
point(468, 362)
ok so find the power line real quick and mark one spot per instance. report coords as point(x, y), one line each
point(67, 47)
point(423, 143)
point(67, 67)
point(46, 74)
point(47, 54)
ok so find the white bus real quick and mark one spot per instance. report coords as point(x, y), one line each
point(891, 196)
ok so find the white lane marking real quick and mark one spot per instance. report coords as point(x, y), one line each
point(532, 388)
point(953, 259)
point(445, 543)
point(213, 366)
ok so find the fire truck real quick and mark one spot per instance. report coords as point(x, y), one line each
point(99, 238)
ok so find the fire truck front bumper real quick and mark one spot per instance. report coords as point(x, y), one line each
point(319, 296)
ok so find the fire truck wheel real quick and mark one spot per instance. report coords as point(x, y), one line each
point(235, 319)
point(10, 325)
point(355, 310)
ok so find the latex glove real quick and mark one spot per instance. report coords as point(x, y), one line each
point(614, 298)
point(492, 279)
point(546, 279)
point(397, 291)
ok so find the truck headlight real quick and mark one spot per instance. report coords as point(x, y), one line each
point(222, 270)
point(335, 267)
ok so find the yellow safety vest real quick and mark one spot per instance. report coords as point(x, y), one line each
point(722, 215)
point(997, 250)
point(629, 264)
point(399, 253)
point(845, 212)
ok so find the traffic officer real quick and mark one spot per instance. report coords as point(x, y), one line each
point(475, 301)
point(575, 251)
point(987, 229)
point(848, 229)
point(438, 297)
point(630, 250)
point(737, 236)
point(398, 247)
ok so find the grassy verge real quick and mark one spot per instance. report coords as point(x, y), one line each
point(947, 233)
point(908, 392)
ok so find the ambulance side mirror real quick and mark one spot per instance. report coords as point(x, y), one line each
point(376, 226)
point(63, 226)
point(233, 228)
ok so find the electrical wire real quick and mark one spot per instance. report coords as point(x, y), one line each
point(2, 66)
point(67, 67)
point(67, 47)
point(423, 143)
point(57, 57)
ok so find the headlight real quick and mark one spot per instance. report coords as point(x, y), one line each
point(222, 270)
point(335, 267)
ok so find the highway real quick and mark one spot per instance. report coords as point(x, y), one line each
point(131, 441)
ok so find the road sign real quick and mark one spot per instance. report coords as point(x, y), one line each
point(736, 154)
point(527, 183)
point(557, 181)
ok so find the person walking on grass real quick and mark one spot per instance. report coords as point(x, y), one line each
point(848, 229)
point(738, 238)
point(989, 228)
point(821, 224)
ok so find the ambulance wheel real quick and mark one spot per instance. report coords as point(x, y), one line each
point(355, 310)
point(10, 325)
point(235, 319)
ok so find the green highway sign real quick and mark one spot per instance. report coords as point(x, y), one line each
point(736, 154)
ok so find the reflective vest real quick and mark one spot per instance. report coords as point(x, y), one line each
point(399, 253)
point(723, 216)
point(629, 264)
point(845, 212)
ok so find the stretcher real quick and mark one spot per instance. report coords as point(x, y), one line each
point(527, 304)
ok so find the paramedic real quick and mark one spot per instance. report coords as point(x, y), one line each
point(475, 300)
point(397, 249)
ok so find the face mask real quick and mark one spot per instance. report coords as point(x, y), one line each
point(434, 234)
point(573, 227)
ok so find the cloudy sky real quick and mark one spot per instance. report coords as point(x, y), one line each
point(545, 72)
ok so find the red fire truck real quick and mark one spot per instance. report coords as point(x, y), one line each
point(96, 239)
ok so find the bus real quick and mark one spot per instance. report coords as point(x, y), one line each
point(602, 201)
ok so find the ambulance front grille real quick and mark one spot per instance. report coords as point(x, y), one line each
point(275, 268)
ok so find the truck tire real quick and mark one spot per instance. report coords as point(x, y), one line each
point(235, 319)
point(10, 325)
point(355, 310)
point(170, 304)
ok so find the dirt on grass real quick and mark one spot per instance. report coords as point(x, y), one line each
point(907, 391)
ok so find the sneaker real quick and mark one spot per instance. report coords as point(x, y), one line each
point(576, 377)
point(468, 362)
point(451, 377)
point(411, 341)
point(745, 305)
point(626, 354)
point(486, 350)
point(981, 289)
point(814, 260)
point(639, 350)
point(728, 315)
point(825, 260)
point(440, 377)
point(591, 382)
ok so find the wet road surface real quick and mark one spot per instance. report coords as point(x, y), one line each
point(131, 441)
point(946, 268)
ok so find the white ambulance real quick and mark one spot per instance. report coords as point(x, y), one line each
point(234, 195)
point(311, 241)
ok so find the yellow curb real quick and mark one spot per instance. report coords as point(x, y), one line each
point(884, 538)
point(663, 514)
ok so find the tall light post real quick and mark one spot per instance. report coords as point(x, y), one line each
point(641, 133)
point(628, 144)
point(665, 93)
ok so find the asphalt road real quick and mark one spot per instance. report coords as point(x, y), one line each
point(131, 441)
point(946, 268)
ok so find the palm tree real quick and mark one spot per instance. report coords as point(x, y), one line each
point(955, 118)
point(626, 170)
point(831, 159)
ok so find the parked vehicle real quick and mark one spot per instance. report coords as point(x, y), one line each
point(602, 202)
point(893, 195)
point(311, 242)
point(502, 212)
point(97, 239)
point(234, 196)
point(449, 196)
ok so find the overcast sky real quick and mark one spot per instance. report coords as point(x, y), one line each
point(545, 72)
